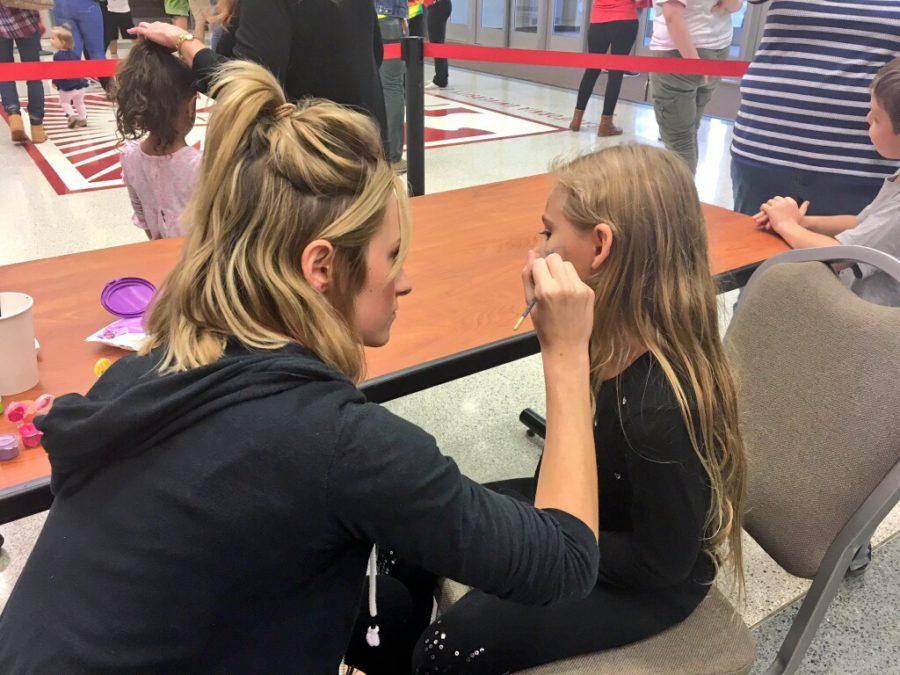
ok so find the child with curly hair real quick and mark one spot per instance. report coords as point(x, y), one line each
point(155, 109)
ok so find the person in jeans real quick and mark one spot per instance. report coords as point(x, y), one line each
point(802, 132)
point(614, 23)
point(689, 29)
point(392, 22)
point(437, 13)
point(22, 27)
point(85, 18)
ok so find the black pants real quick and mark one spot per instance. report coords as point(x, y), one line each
point(417, 26)
point(620, 35)
point(405, 600)
point(437, 16)
point(116, 25)
point(483, 634)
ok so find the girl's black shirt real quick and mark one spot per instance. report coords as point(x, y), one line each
point(654, 492)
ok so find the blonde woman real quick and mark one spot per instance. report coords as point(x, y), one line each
point(218, 495)
point(669, 456)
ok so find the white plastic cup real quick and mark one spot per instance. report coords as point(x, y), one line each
point(18, 358)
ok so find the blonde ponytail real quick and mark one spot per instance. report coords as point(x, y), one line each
point(275, 177)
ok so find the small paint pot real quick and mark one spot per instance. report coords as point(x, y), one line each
point(31, 436)
point(9, 447)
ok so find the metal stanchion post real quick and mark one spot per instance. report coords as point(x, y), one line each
point(413, 54)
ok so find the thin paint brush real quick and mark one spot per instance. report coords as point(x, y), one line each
point(525, 313)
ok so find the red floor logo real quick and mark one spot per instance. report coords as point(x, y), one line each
point(87, 158)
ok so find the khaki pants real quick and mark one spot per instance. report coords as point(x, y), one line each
point(679, 100)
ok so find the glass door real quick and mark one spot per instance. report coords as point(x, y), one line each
point(529, 24)
point(461, 25)
point(492, 23)
point(568, 25)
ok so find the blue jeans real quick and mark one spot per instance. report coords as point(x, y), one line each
point(393, 76)
point(829, 194)
point(86, 21)
point(29, 50)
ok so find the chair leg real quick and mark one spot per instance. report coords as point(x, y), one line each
point(861, 560)
point(535, 423)
point(855, 534)
point(806, 623)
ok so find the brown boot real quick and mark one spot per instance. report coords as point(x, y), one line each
point(607, 128)
point(38, 135)
point(575, 124)
point(16, 129)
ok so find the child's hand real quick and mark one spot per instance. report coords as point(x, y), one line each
point(786, 210)
point(783, 212)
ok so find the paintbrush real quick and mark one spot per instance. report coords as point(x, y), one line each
point(525, 313)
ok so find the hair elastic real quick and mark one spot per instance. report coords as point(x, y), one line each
point(284, 110)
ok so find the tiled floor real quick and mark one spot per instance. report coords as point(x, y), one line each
point(475, 419)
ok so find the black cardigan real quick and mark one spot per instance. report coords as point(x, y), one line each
point(316, 48)
point(220, 520)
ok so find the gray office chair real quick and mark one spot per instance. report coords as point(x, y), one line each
point(817, 371)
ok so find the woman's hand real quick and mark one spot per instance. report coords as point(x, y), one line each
point(161, 33)
point(564, 314)
point(780, 210)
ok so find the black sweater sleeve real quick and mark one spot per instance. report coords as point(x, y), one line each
point(204, 67)
point(390, 484)
point(262, 34)
point(670, 499)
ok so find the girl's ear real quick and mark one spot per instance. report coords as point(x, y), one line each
point(602, 236)
point(317, 264)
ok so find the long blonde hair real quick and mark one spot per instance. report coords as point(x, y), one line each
point(275, 177)
point(656, 288)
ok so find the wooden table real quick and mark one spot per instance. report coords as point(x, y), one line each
point(468, 249)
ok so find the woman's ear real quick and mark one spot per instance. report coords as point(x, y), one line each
point(602, 236)
point(317, 264)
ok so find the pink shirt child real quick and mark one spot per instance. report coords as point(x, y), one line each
point(159, 187)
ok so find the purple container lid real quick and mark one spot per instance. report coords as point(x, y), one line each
point(127, 297)
point(9, 447)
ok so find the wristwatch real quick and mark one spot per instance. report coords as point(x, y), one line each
point(184, 37)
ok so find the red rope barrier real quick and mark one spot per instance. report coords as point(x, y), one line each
point(536, 57)
point(57, 70)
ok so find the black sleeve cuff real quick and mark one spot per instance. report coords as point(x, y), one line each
point(206, 62)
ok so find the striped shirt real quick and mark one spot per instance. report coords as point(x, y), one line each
point(805, 97)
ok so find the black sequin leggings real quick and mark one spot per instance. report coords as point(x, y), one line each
point(486, 635)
